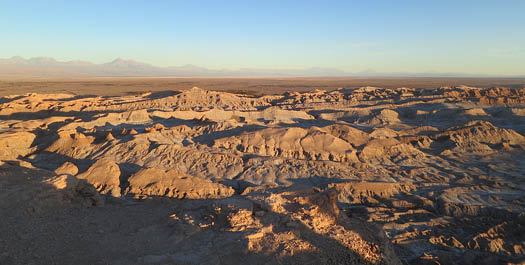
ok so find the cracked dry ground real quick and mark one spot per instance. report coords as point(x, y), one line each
point(361, 176)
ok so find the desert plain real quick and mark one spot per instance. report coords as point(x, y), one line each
point(262, 171)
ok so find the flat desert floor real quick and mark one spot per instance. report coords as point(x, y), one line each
point(262, 171)
point(111, 86)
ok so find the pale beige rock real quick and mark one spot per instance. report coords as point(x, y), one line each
point(172, 183)
point(15, 144)
point(63, 182)
point(67, 168)
point(439, 169)
point(313, 144)
point(104, 175)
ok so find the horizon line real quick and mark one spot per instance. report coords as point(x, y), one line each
point(237, 73)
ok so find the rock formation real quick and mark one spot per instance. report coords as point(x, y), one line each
point(352, 176)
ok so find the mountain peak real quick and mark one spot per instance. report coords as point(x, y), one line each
point(122, 63)
point(117, 60)
point(42, 60)
point(14, 60)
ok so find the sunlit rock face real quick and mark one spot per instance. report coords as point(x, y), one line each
point(352, 176)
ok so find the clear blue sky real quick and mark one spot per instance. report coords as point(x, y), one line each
point(482, 37)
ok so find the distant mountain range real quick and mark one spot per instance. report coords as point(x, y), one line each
point(48, 67)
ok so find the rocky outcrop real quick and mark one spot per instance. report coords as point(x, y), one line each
point(298, 143)
point(385, 117)
point(75, 190)
point(67, 168)
point(15, 144)
point(104, 175)
point(214, 177)
point(369, 193)
point(175, 184)
point(305, 223)
point(218, 115)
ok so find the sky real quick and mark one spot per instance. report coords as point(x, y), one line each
point(475, 37)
